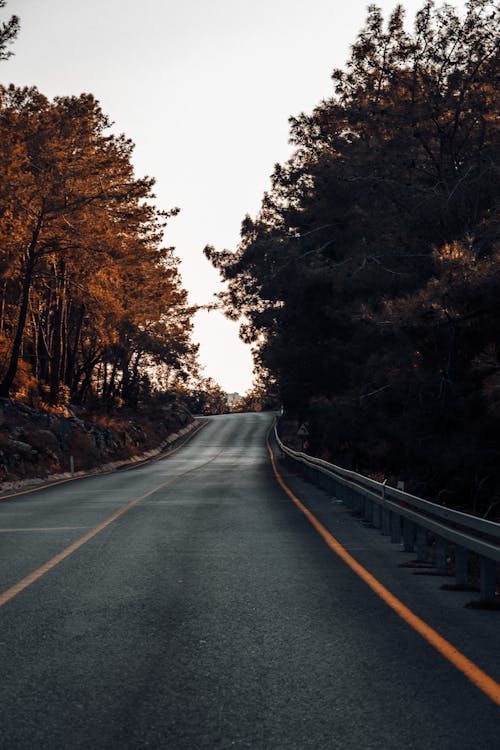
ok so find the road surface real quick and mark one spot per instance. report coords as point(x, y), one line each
point(194, 606)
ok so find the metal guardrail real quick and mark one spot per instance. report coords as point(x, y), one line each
point(422, 526)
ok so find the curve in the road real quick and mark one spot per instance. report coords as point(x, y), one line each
point(209, 614)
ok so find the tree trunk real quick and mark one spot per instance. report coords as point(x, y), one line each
point(57, 323)
point(70, 372)
point(2, 311)
point(6, 384)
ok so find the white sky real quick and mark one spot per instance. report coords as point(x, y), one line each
point(204, 88)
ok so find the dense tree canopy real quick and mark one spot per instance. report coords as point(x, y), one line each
point(90, 301)
point(92, 310)
point(369, 281)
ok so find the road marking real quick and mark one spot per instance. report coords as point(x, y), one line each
point(43, 528)
point(54, 561)
point(136, 465)
point(484, 682)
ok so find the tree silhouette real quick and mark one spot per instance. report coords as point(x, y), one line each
point(8, 32)
point(367, 280)
point(89, 296)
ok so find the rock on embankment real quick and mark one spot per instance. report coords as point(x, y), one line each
point(37, 444)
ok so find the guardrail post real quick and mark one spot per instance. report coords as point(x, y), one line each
point(381, 512)
point(422, 545)
point(386, 522)
point(488, 579)
point(367, 510)
point(461, 565)
point(342, 492)
point(441, 550)
point(359, 502)
point(395, 527)
point(376, 515)
point(408, 535)
point(328, 482)
point(353, 499)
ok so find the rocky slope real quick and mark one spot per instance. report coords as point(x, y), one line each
point(35, 443)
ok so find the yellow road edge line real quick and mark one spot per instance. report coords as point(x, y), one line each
point(475, 674)
point(48, 486)
point(16, 589)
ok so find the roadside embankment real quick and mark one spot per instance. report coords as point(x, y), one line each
point(38, 446)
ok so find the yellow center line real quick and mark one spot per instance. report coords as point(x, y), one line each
point(475, 674)
point(54, 561)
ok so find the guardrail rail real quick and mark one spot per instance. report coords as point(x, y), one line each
point(421, 526)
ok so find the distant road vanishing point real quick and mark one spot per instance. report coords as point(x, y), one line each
point(189, 603)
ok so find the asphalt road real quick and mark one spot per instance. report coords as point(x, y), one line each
point(210, 614)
